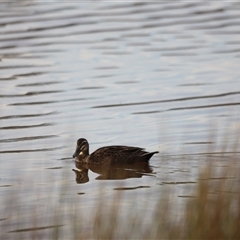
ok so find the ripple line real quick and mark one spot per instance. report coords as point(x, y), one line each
point(131, 188)
point(35, 228)
point(26, 138)
point(29, 94)
point(31, 150)
point(27, 126)
point(192, 107)
point(37, 84)
point(168, 100)
point(205, 106)
point(46, 102)
point(27, 115)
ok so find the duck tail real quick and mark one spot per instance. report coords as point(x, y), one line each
point(148, 155)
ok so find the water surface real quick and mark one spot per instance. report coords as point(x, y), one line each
point(160, 75)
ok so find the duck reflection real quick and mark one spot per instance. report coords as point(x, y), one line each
point(111, 171)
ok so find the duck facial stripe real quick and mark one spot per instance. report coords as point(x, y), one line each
point(83, 145)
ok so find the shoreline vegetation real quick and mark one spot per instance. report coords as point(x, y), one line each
point(211, 212)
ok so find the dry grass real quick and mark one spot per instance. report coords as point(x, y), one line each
point(213, 213)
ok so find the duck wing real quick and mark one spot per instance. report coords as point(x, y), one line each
point(119, 154)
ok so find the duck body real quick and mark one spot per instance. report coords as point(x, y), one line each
point(110, 154)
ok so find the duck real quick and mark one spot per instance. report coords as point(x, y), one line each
point(110, 154)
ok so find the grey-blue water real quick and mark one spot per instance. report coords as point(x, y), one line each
point(158, 75)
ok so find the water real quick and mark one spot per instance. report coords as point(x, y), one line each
point(158, 75)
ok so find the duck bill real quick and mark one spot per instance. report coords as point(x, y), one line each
point(76, 153)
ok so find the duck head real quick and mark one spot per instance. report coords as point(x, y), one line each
point(82, 148)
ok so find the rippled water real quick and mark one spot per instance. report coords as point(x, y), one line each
point(158, 75)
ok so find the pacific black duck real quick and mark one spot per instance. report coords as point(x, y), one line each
point(110, 154)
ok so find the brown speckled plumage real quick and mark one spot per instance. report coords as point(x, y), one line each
point(110, 154)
